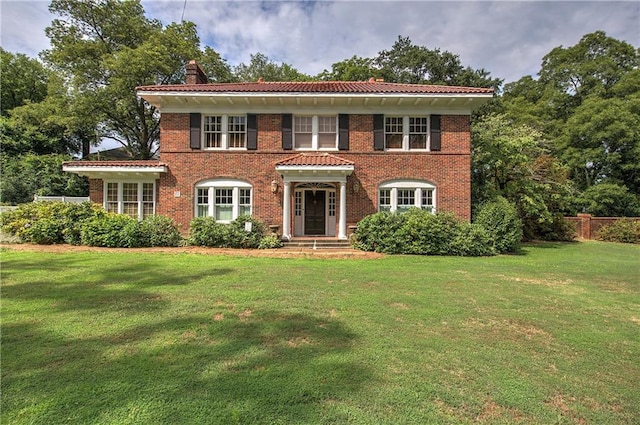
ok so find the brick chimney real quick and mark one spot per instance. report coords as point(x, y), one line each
point(195, 75)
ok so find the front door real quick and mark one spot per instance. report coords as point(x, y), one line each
point(314, 212)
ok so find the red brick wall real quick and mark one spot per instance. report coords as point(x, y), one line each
point(448, 170)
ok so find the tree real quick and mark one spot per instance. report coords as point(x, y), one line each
point(107, 48)
point(513, 161)
point(408, 63)
point(354, 69)
point(24, 80)
point(215, 67)
point(260, 66)
point(27, 175)
point(609, 200)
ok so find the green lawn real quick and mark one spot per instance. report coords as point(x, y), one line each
point(551, 336)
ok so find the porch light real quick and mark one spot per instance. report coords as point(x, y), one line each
point(274, 186)
point(356, 187)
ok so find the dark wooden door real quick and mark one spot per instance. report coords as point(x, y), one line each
point(314, 212)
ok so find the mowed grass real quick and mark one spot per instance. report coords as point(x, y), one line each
point(551, 336)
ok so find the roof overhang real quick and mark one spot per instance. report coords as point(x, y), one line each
point(115, 171)
point(314, 173)
point(364, 103)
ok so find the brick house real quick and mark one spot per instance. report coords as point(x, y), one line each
point(312, 158)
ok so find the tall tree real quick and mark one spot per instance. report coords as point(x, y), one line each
point(24, 80)
point(107, 48)
point(260, 66)
point(353, 69)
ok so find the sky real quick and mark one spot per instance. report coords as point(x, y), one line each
point(506, 38)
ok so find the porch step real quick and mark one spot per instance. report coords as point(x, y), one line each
point(316, 243)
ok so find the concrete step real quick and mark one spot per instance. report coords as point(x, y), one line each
point(317, 243)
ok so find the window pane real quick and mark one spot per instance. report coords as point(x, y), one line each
point(130, 209)
point(213, 131)
point(332, 204)
point(427, 199)
point(302, 132)
point(406, 199)
point(327, 140)
point(245, 202)
point(112, 197)
point(130, 192)
point(298, 204)
point(236, 131)
point(147, 192)
point(393, 141)
point(203, 202)
point(384, 200)
point(417, 132)
point(224, 204)
point(147, 209)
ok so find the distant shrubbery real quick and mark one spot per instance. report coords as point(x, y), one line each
point(500, 219)
point(624, 230)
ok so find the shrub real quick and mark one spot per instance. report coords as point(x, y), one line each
point(49, 222)
point(108, 231)
point(558, 229)
point(624, 230)
point(154, 230)
point(205, 231)
point(377, 232)
point(501, 221)
point(269, 242)
point(420, 232)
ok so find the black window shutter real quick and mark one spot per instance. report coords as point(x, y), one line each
point(378, 132)
point(343, 132)
point(252, 132)
point(287, 136)
point(194, 130)
point(435, 133)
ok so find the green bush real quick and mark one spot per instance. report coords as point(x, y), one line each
point(154, 230)
point(558, 229)
point(269, 242)
point(624, 230)
point(108, 231)
point(49, 222)
point(503, 225)
point(205, 231)
point(420, 232)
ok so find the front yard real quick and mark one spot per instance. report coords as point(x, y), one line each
point(549, 336)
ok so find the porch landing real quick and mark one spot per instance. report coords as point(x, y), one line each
point(317, 242)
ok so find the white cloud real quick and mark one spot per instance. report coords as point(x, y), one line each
point(508, 39)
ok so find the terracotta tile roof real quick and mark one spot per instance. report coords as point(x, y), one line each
point(131, 163)
point(315, 159)
point(344, 87)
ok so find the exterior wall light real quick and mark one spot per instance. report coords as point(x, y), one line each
point(274, 186)
point(356, 187)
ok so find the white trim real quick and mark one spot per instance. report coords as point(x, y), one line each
point(117, 172)
point(119, 197)
point(406, 147)
point(224, 131)
point(417, 185)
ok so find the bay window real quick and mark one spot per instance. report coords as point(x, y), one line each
point(401, 195)
point(223, 199)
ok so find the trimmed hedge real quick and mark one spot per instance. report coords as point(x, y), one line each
point(420, 232)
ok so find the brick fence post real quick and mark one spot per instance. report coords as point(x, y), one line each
point(585, 225)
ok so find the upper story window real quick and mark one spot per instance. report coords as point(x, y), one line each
point(135, 199)
point(223, 199)
point(224, 131)
point(406, 133)
point(400, 195)
point(315, 132)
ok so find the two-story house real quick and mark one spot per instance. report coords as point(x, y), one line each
point(309, 157)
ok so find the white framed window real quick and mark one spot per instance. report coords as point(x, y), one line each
point(223, 199)
point(315, 132)
point(224, 131)
point(135, 199)
point(401, 195)
point(406, 133)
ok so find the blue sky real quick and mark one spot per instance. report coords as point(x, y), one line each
point(508, 39)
